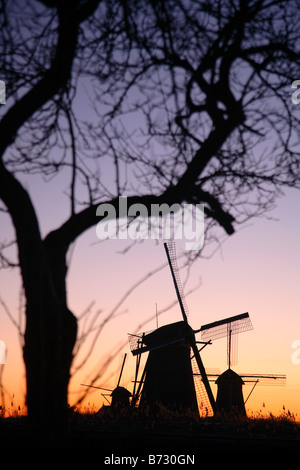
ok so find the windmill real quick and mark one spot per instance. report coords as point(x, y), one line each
point(230, 394)
point(174, 375)
point(119, 395)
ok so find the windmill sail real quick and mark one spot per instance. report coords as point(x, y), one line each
point(125, 355)
point(265, 379)
point(229, 327)
point(219, 329)
point(171, 255)
point(204, 406)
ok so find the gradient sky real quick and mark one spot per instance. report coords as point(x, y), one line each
point(256, 270)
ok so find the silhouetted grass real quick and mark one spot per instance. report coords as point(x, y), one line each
point(12, 411)
point(257, 424)
point(117, 427)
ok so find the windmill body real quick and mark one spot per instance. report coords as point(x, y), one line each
point(120, 398)
point(119, 395)
point(169, 378)
point(230, 397)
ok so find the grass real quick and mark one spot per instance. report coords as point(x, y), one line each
point(12, 411)
point(88, 423)
point(258, 423)
point(285, 417)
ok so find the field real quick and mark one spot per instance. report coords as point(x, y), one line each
point(142, 436)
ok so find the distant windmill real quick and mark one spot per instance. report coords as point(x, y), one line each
point(230, 395)
point(168, 376)
point(119, 395)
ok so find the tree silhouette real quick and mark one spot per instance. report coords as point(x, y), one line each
point(189, 102)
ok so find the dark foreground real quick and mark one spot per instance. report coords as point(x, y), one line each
point(117, 438)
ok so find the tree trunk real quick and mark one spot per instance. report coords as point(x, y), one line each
point(51, 328)
point(48, 356)
point(48, 351)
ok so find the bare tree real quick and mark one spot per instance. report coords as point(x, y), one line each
point(189, 102)
point(213, 83)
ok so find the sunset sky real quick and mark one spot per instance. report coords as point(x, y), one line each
point(115, 287)
point(256, 270)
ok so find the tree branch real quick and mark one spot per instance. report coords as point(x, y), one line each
point(53, 81)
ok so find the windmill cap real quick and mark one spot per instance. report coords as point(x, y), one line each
point(172, 333)
point(229, 376)
point(121, 392)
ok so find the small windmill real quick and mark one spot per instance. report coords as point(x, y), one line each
point(230, 395)
point(169, 376)
point(119, 395)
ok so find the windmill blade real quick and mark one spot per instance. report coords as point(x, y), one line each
point(104, 396)
point(136, 343)
point(122, 369)
point(265, 379)
point(232, 347)
point(171, 255)
point(229, 327)
point(204, 406)
point(219, 329)
point(204, 378)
